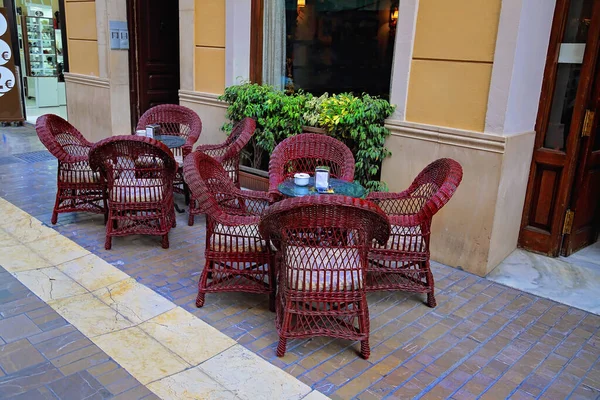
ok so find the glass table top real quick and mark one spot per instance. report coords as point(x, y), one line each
point(337, 186)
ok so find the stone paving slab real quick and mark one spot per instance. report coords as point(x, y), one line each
point(483, 340)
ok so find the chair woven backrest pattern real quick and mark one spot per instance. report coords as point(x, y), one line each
point(62, 139)
point(304, 152)
point(174, 120)
point(229, 152)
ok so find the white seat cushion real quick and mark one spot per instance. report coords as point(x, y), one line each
point(321, 269)
point(83, 175)
point(137, 190)
point(179, 160)
point(406, 239)
point(239, 238)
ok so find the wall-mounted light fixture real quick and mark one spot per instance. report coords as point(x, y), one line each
point(393, 16)
point(301, 3)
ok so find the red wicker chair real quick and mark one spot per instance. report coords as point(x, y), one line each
point(403, 263)
point(228, 154)
point(238, 259)
point(324, 241)
point(180, 121)
point(304, 152)
point(78, 187)
point(140, 198)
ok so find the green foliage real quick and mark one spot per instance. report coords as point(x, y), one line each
point(356, 121)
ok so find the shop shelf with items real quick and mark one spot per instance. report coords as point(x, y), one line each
point(39, 43)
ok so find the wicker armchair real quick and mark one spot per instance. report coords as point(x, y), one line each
point(140, 198)
point(78, 187)
point(403, 263)
point(237, 258)
point(304, 152)
point(228, 154)
point(324, 241)
point(180, 121)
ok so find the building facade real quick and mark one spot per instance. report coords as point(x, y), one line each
point(467, 77)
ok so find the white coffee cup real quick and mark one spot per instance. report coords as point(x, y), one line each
point(301, 179)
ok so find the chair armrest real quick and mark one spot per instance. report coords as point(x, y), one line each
point(254, 201)
point(236, 220)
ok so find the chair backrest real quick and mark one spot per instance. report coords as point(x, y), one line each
point(62, 139)
point(429, 191)
point(304, 152)
point(435, 185)
point(238, 138)
point(132, 162)
point(228, 153)
point(211, 186)
point(324, 240)
point(174, 120)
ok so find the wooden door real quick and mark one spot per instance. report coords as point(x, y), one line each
point(154, 53)
point(585, 199)
point(570, 67)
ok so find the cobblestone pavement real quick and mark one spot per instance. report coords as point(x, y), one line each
point(483, 340)
point(42, 356)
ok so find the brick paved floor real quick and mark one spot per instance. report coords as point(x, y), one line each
point(44, 357)
point(482, 340)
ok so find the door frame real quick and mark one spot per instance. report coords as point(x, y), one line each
point(572, 241)
point(530, 235)
point(134, 83)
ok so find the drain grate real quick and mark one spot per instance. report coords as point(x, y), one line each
point(35, 156)
point(9, 160)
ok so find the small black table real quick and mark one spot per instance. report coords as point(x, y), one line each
point(290, 189)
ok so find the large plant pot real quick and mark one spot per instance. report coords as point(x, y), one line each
point(254, 179)
point(314, 129)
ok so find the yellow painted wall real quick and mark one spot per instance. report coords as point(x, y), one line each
point(452, 62)
point(209, 57)
point(82, 36)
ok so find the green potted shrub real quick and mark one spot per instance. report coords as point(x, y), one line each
point(356, 121)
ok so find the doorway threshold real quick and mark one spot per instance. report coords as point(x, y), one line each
point(573, 280)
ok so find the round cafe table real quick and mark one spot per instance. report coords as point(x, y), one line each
point(290, 189)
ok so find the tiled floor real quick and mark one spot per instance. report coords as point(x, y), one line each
point(482, 340)
point(42, 356)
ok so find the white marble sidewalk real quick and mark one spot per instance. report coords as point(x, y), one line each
point(574, 281)
point(174, 353)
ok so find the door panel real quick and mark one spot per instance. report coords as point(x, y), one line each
point(156, 45)
point(570, 65)
point(586, 191)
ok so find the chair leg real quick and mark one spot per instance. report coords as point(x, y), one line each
point(365, 350)
point(202, 284)
point(281, 346)
point(430, 284)
point(200, 299)
point(191, 219)
point(165, 241)
point(186, 193)
point(272, 300)
point(109, 227)
point(54, 219)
